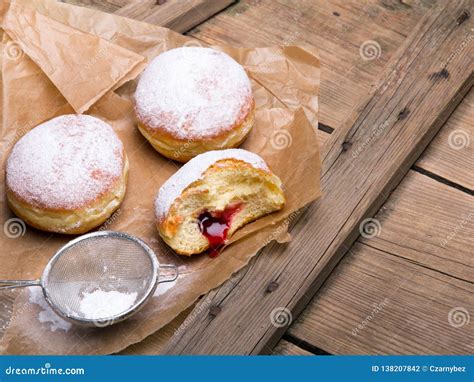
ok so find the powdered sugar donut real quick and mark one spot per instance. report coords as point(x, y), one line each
point(190, 100)
point(67, 175)
point(212, 196)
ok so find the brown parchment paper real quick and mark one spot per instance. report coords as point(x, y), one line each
point(43, 43)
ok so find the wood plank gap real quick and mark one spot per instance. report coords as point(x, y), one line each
point(232, 3)
point(180, 16)
point(440, 179)
point(304, 345)
point(325, 128)
point(416, 263)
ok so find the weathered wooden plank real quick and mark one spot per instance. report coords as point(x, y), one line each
point(363, 162)
point(426, 227)
point(109, 6)
point(179, 15)
point(287, 348)
point(377, 303)
point(155, 343)
point(424, 222)
point(451, 154)
point(428, 223)
point(338, 28)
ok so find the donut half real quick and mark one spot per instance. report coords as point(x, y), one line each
point(212, 196)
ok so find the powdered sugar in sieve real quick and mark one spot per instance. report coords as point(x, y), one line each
point(99, 279)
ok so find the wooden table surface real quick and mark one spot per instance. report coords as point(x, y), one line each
point(405, 282)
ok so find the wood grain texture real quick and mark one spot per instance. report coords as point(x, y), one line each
point(338, 28)
point(109, 6)
point(322, 138)
point(424, 223)
point(378, 303)
point(155, 343)
point(178, 15)
point(287, 348)
point(430, 224)
point(420, 260)
point(363, 162)
point(451, 154)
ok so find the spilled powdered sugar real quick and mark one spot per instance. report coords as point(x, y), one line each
point(47, 315)
point(65, 162)
point(193, 92)
point(163, 288)
point(101, 304)
point(192, 171)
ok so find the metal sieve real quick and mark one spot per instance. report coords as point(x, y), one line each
point(105, 263)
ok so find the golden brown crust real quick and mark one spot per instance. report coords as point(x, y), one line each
point(272, 199)
point(72, 221)
point(182, 150)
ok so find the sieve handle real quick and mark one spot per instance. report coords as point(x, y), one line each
point(175, 275)
point(11, 284)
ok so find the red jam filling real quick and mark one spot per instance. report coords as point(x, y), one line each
point(215, 225)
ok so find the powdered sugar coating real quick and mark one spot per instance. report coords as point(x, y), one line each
point(193, 170)
point(193, 93)
point(47, 314)
point(65, 163)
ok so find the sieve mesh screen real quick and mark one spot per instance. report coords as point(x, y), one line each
point(107, 262)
